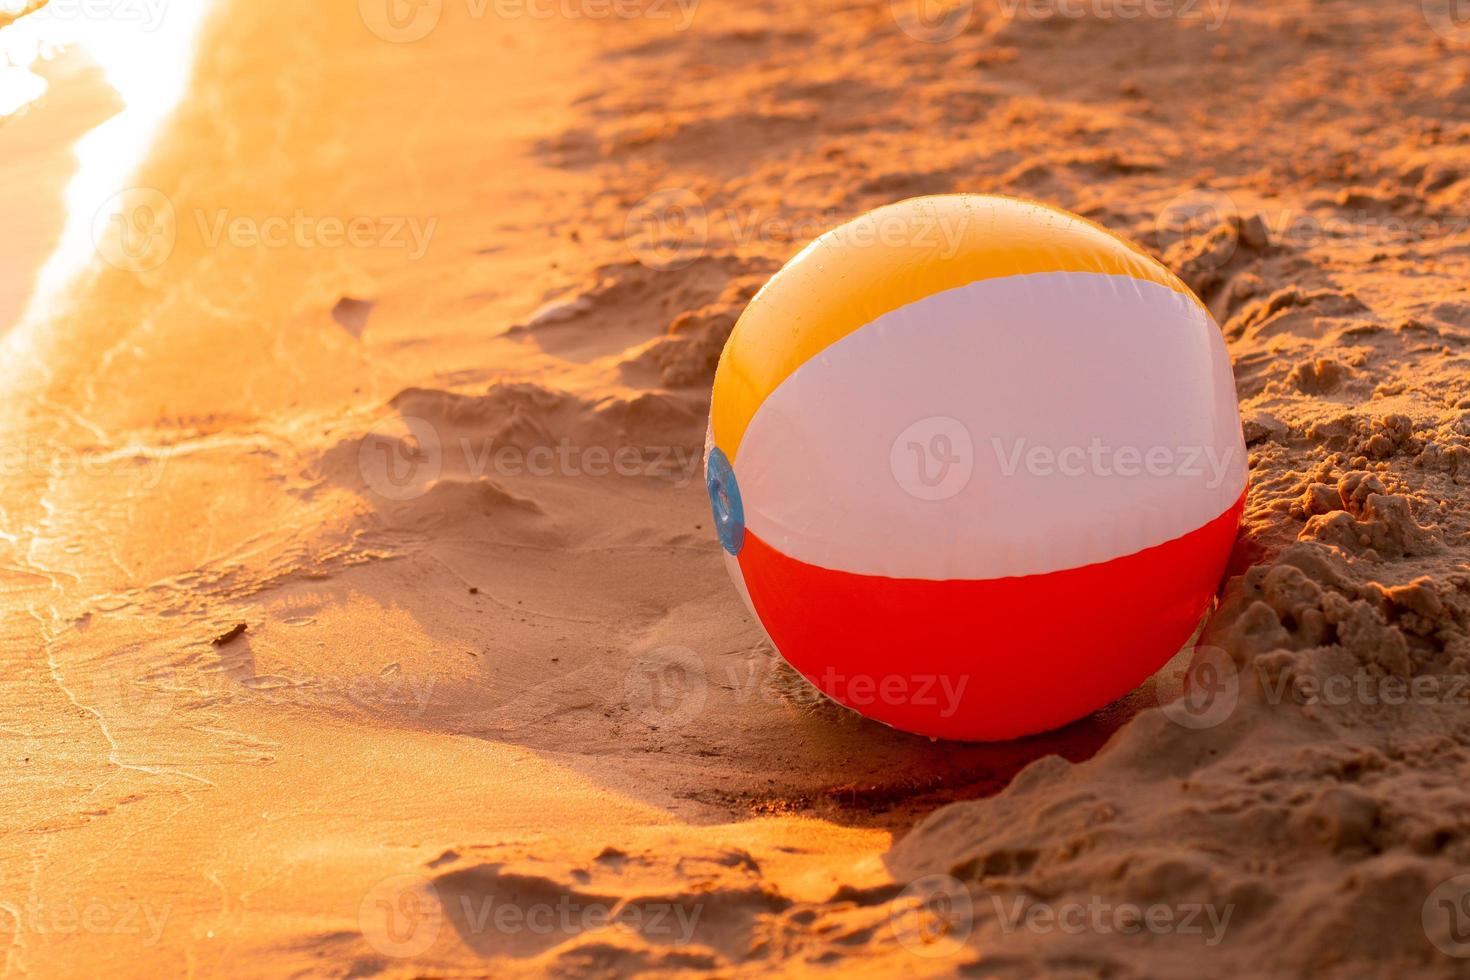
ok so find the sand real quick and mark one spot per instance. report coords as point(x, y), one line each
point(495, 688)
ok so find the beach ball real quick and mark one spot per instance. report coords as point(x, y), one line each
point(976, 465)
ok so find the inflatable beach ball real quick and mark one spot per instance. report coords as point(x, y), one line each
point(976, 465)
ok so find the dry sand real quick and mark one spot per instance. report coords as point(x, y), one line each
point(447, 475)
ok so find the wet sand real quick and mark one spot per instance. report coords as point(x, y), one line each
point(40, 161)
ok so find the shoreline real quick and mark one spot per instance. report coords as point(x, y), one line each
point(43, 137)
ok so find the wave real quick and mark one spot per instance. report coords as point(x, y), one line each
point(19, 50)
point(12, 12)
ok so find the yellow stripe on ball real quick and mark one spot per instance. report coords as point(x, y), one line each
point(889, 258)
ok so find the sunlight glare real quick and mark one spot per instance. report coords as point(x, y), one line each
point(145, 49)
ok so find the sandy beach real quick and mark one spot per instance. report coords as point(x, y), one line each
point(396, 348)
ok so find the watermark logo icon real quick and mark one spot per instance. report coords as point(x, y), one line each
point(400, 458)
point(933, 916)
point(401, 916)
point(668, 229)
point(146, 15)
point(401, 21)
point(667, 687)
point(1194, 214)
point(131, 696)
point(135, 230)
point(932, 21)
point(934, 458)
point(1450, 19)
point(1202, 695)
point(1446, 916)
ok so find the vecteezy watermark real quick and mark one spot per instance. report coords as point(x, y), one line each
point(401, 458)
point(1450, 19)
point(407, 21)
point(1206, 693)
point(1101, 916)
point(138, 229)
point(934, 458)
point(667, 230)
point(933, 916)
point(1211, 12)
point(1212, 217)
point(860, 691)
point(1194, 214)
point(1196, 211)
point(1446, 916)
point(673, 227)
point(147, 15)
point(932, 21)
point(134, 697)
point(937, 21)
point(667, 687)
point(1361, 225)
point(306, 231)
point(401, 21)
point(1099, 459)
point(401, 916)
point(936, 915)
point(671, 922)
point(97, 917)
point(1368, 689)
point(142, 467)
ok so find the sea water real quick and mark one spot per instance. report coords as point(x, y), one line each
point(95, 78)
